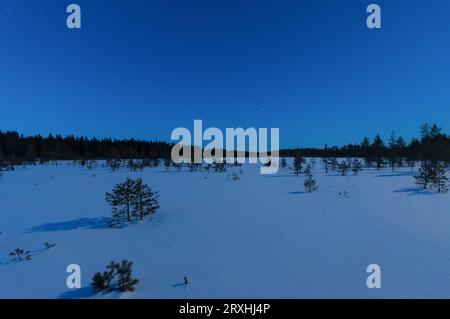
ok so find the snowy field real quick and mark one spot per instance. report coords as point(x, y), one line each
point(259, 237)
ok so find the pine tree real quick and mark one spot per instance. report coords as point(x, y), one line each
point(283, 163)
point(365, 149)
point(333, 163)
point(121, 199)
point(20, 254)
point(378, 148)
point(425, 174)
point(144, 199)
point(343, 168)
point(297, 165)
point(121, 273)
point(392, 150)
point(326, 162)
point(356, 166)
point(124, 272)
point(310, 184)
point(440, 180)
point(308, 169)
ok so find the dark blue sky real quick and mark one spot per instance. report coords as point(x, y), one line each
point(142, 68)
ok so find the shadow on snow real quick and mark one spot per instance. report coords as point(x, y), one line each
point(81, 223)
point(414, 191)
point(81, 293)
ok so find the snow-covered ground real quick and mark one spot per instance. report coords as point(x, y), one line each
point(261, 236)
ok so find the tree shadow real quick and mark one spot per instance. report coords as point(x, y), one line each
point(80, 293)
point(396, 174)
point(414, 191)
point(296, 193)
point(83, 223)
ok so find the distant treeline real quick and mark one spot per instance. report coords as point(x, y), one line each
point(17, 148)
point(432, 144)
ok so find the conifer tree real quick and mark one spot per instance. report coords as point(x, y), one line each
point(333, 163)
point(325, 162)
point(343, 168)
point(440, 180)
point(297, 165)
point(392, 150)
point(425, 174)
point(308, 169)
point(310, 183)
point(283, 163)
point(144, 199)
point(124, 272)
point(121, 199)
point(356, 166)
point(378, 148)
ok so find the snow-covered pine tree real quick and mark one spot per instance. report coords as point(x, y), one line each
point(144, 201)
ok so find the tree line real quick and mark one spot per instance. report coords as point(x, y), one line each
point(15, 149)
point(432, 144)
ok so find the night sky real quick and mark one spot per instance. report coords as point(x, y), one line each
point(143, 68)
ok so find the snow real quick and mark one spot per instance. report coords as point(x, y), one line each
point(260, 237)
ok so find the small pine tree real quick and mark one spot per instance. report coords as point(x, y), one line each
point(297, 165)
point(20, 254)
point(343, 168)
point(425, 174)
point(120, 273)
point(310, 184)
point(283, 163)
point(440, 180)
point(356, 166)
point(326, 163)
point(333, 163)
point(308, 169)
point(124, 272)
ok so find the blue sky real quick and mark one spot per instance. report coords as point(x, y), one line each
point(142, 68)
